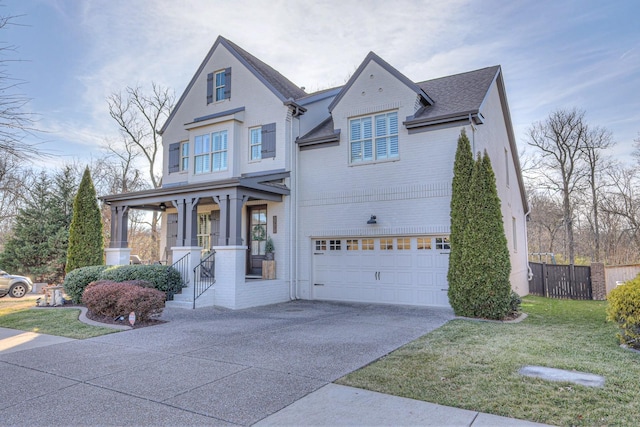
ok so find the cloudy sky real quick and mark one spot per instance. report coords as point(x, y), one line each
point(554, 54)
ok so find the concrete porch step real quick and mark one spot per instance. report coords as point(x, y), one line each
point(185, 299)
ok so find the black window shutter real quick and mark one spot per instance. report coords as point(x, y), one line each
point(209, 88)
point(227, 83)
point(174, 157)
point(268, 140)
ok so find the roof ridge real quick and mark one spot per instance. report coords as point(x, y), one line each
point(459, 74)
point(269, 73)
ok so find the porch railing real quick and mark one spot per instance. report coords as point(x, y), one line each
point(182, 265)
point(204, 276)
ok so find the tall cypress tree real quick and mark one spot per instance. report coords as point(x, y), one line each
point(485, 251)
point(460, 195)
point(85, 234)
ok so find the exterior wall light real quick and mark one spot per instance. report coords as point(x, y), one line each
point(372, 220)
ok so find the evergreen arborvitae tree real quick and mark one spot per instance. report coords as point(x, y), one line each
point(85, 234)
point(460, 194)
point(485, 253)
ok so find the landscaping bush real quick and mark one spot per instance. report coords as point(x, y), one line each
point(624, 309)
point(77, 280)
point(169, 282)
point(514, 303)
point(101, 297)
point(112, 299)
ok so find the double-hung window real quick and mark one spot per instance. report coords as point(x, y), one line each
point(255, 143)
point(219, 85)
point(219, 150)
point(184, 156)
point(374, 138)
point(202, 146)
point(210, 152)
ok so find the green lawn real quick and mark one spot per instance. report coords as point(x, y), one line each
point(474, 365)
point(18, 314)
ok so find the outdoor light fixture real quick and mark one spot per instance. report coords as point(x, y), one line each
point(372, 220)
point(163, 206)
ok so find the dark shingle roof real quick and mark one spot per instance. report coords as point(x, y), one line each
point(455, 95)
point(324, 132)
point(279, 82)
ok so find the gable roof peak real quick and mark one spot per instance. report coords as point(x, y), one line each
point(372, 56)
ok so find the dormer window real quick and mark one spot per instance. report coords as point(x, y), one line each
point(219, 86)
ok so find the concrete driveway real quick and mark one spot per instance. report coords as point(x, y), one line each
point(204, 367)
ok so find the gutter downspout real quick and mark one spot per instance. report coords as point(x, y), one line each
point(292, 214)
point(473, 136)
point(526, 245)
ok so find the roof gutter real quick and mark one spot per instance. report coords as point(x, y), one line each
point(298, 109)
point(475, 116)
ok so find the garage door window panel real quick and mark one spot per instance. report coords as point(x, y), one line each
point(442, 243)
point(368, 245)
point(386, 244)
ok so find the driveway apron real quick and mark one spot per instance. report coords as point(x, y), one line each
point(206, 366)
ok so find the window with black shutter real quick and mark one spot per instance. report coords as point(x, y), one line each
point(174, 157)
point(209, 88)
point(268, 140)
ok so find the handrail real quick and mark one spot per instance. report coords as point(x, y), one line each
point(182, 265)
point(204, 276)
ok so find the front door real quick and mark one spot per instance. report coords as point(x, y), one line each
point(257, 216)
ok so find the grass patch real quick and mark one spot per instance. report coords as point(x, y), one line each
point(18, 314)
point(474, 365)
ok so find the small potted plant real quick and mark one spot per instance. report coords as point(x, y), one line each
point(269, 249)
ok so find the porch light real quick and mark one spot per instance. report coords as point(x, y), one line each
point(372, 220)
point(163, 206)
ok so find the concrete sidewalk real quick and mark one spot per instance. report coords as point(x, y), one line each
point(271, 365)
point(12, 340)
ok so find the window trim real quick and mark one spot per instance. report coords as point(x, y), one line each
point(374, 138)
point(211, 152)
point(219, 88)
point(184, 167)
point(258, 131)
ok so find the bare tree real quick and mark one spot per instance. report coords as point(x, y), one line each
point(596, 141)
point(560, 140)
point(139, 116)
point(623, 200)
point(15, 123)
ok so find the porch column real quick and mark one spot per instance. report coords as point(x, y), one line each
point(179, 205)
point(191, 221)
point(236, 202)
point(123, 226)
point(223, 203)
point(118, 253)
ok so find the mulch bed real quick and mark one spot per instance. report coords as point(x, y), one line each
point(125, 321)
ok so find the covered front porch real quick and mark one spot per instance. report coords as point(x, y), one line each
point(236, 225)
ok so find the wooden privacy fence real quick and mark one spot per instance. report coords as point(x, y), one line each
point(561, 281)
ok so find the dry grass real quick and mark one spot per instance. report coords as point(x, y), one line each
point(474, 365)
point(18, 314)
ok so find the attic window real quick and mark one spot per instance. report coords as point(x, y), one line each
point(219, 85)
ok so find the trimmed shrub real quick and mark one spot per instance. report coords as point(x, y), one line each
point(163, 278)
point(77, 280)
point(101, 297)
point(112, 299)
point(624, 309)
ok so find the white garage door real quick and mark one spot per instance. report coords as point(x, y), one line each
point(389, 270)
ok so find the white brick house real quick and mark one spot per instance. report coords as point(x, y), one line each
point(353, 184)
